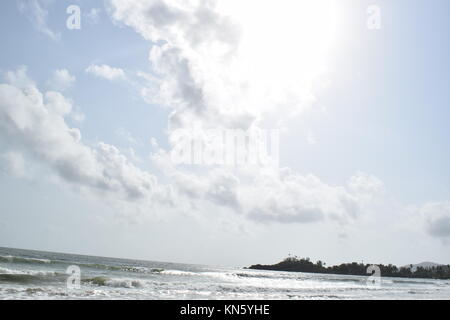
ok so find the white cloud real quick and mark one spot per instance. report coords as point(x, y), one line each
point(106, 72)
point(61, 80)
point(210, 75)
point(366, 184)
point(272, 195)
point(77, 115)
point(36, 11)
point(199, 80)
point(34, 124)
point(19, 78)
point(216, 68)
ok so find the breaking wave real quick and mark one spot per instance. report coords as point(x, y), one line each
point(14, 259)
point(28, 276)
point(27, 260)
point(115, 282)
point(178, 273)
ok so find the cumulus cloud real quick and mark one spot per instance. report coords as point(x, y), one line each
point(200, 60)
point(273, 195)
point(215, 68)
point(61, 80)
point(106, 72)
point(34, 123)
point(19, 78)
point(366, 185)
point(37, 13)
point(290, 197)
point(213, 71)
point(218, 187)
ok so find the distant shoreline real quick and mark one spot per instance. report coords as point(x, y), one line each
point(295, 264)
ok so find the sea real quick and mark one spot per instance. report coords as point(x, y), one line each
point(34, 275)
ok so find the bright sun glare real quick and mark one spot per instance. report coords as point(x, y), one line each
point(284, 44)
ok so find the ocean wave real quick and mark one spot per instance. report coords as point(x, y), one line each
point(29, 272)
point(28, 276)
point(124, 268)
point(115, 282)
point(28, 260)
point(178, 273)
point(141, 269)
point(15, 259)
point(254, 275)
point(17, 278)
point(33, 293)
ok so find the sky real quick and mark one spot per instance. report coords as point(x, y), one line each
point(94, 101)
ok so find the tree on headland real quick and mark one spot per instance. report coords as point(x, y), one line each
point(295, 264)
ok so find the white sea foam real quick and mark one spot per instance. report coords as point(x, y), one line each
point(14, 259)
point(179, 273)
point(125, 283)
point(107, 278)
point(27, 272)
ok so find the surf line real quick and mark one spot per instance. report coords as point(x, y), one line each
point(193, 310)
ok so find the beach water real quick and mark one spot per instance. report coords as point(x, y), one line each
point(27, 274)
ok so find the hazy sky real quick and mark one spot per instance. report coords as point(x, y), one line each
point(88, 118)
